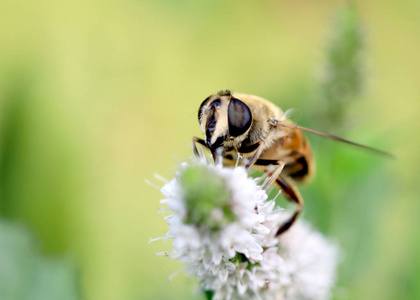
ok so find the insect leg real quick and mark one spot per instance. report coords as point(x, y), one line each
point(292, 194)
point(289, 190)
point(256, 155)
point(274, 175)
point(201, 142)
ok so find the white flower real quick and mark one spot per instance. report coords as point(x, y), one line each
point(224, 231)
point(311, 260)
point(208, 251)
point(302, 266)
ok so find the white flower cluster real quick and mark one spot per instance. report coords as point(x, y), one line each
point(244, 259)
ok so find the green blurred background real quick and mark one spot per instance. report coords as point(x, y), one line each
point(96, 96)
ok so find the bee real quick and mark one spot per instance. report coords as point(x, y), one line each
point(246, 126)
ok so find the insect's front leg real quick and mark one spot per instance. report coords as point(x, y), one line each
point(201, 142)
point(256, 155)
point(274, 175)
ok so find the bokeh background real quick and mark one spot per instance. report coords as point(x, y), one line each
point(97, 96)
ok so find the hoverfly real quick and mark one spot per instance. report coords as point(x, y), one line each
point(255, 129)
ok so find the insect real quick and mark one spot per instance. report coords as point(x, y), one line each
point(241, 125)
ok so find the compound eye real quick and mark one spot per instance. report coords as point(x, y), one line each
point(239, 116)
point(200, 110)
